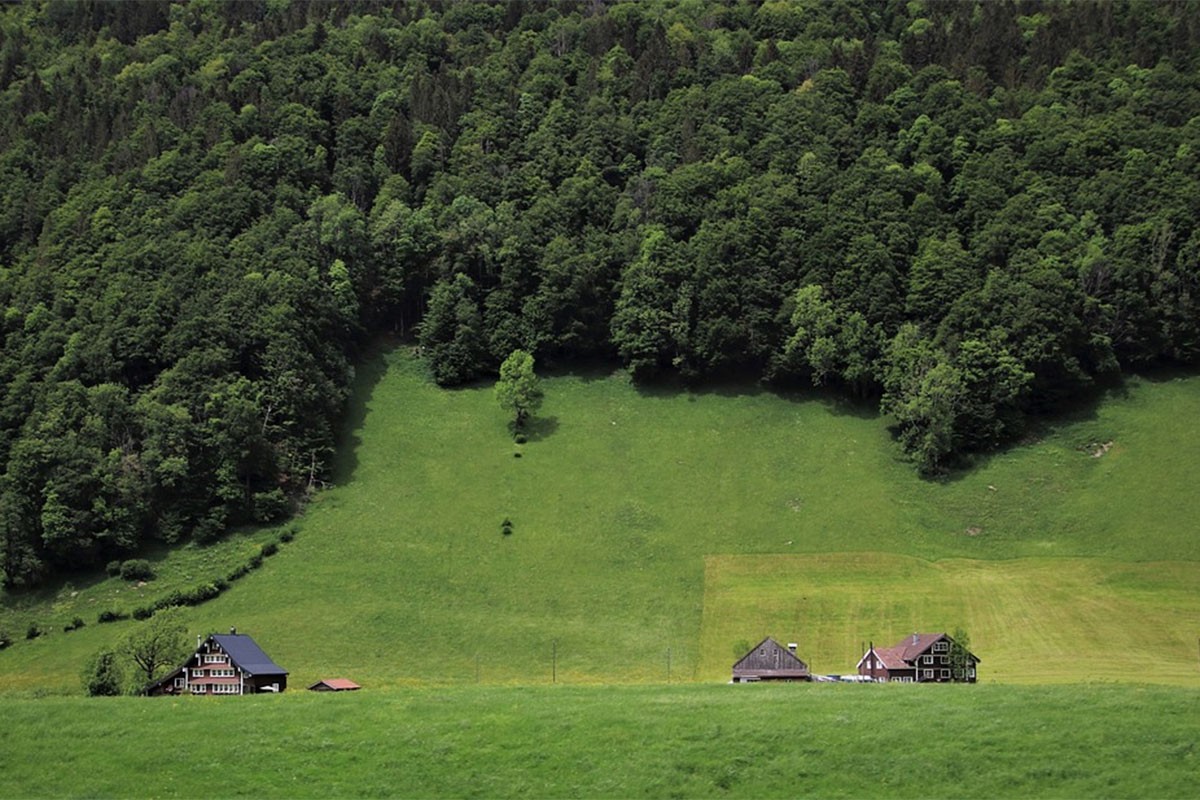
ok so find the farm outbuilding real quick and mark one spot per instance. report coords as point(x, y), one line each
point(770, 661)
point(334, 685)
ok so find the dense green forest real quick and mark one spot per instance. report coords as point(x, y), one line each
point(969, 211)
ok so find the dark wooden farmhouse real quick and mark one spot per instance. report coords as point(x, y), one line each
point(770, 661)
point(334, 685)
point(920, 658)
point(224, 664)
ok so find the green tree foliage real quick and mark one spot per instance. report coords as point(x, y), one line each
point(104, 676)
point(960, 655)
point(158, 642)
point(518, 390)
point(205, 208)
point(452, 332)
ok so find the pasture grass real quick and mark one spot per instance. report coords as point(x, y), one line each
point(642, 741)
point(1037, 620)
point(401, 575)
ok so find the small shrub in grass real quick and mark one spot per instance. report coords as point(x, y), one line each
point(270, 549)
point(221, 584)
point(175, 598)
point(198, 594)
point(239, 572)
point(520, 438)
point(113, 568)
point(289, 534)
point(506, 527)
point(111, 616)
point(33, 631)
point(516, 455)
point(255, 561)
point(75, 625)
point(143, 612)
point(137, 569)
point(5, 639)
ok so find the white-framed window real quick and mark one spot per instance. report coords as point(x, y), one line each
point(197, 673)
point(927, 659)
point(945, 674)
point(180, 683)
point(198, 690)
point(225, 688)
point(943, 659)
point(927, 675)
point(941, 647)
point(971, 672)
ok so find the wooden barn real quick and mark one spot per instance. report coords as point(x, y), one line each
point(228, 664)
point(770, 661)
point(919, 658)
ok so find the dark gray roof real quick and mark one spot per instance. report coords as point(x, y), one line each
point(246, 654)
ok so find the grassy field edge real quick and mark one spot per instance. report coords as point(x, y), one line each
point(650, 741)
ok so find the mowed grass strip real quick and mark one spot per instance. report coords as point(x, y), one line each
point(1034, 620)
point(693, 741)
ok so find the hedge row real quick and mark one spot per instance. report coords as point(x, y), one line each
point(205, 591)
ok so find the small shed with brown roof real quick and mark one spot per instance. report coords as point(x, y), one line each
point(770, 661)
point(334, 685)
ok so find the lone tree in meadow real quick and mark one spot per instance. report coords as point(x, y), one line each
point(519, 389)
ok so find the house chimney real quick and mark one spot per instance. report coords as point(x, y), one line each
point(914, 638)
point(199, 641)
point(792, 646)
point(233, 631)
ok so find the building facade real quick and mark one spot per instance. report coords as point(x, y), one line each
point(224, 664)
point(919, 658)
point(770, 661)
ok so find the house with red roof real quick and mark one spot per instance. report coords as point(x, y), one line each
point(228, 664)
point(919, 658)
point(770, 661)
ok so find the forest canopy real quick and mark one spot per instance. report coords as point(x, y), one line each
point(968, 211)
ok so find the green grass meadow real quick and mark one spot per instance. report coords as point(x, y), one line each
point(637, 741)
point(655, 534)
point(661, 529)
point(1038, 620)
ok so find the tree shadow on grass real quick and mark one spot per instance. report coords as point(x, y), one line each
point(1067, 411)
point(41, 597)
point(742, 384)
point(537, 428)
point(589, 370)
point(368, 372)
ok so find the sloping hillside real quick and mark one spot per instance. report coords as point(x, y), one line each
point(401, 574)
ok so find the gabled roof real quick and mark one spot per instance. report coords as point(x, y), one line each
point(905, 653)
point(889, 657)
point(911, 647)
point(337, 684)
point(245, 653)
point(777, 660)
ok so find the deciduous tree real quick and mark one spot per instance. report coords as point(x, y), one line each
point(158, 642)
point(519, 389)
